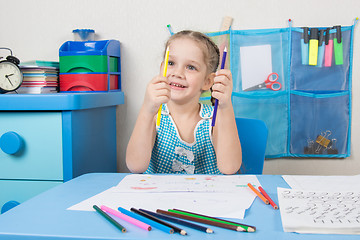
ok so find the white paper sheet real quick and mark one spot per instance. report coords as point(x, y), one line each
point(184, 183)
point(256, 65)
point(341, 183)
point(216, 195)
point(330, 212)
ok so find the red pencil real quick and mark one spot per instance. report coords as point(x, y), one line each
point(272, 203)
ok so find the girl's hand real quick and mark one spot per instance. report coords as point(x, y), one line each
point(222, 88)
point(157, 93)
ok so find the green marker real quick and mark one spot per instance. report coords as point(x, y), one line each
point(338, 46)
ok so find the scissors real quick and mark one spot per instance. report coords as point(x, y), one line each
point(270, 82)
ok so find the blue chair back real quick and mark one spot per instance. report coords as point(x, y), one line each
point(253, 135)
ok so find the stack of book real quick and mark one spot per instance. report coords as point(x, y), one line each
point(39, 77)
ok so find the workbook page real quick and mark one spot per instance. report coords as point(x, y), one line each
point(330, 212)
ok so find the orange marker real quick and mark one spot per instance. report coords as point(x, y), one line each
point(268, 198)
point(258, 194)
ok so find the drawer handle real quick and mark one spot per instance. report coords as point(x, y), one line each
point(9, 205)
point(11, 143)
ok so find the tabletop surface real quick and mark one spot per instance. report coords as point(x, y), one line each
point(45, 216)
point(60, 101)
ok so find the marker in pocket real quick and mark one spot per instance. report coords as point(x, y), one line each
point(313, 46)
point(305, 46)
point(338, 46)
point(328, 48)
point(321, 50)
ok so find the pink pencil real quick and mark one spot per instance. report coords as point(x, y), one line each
point(126, 218)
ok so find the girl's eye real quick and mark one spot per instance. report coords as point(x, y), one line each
point(191, 67)
point(170, 63)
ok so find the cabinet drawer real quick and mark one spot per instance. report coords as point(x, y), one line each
point(13, 191)
point(40, 156)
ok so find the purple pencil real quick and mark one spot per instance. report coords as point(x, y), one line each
point(216, 101)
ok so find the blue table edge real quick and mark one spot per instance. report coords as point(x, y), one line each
point(60, 101)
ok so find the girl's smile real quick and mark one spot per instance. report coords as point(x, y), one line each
point(176, 86)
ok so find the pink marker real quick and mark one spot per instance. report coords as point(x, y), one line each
point(329, 45)
point(126, 218)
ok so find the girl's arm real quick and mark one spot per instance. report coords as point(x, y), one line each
point(225, 135)
point(138, 152)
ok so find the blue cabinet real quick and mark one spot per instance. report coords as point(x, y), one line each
point(48, 139)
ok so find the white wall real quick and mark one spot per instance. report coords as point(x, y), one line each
point(36, 30)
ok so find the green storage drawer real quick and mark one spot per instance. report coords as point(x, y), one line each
point(88, 64)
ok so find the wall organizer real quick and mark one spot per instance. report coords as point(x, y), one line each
point(310, 115)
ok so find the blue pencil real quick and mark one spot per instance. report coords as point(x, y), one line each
point(147, 221)
point(217, 101)
point(179, 221)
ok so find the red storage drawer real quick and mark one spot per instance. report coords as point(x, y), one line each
point(87, 82)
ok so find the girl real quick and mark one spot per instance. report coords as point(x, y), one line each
point(185, 142)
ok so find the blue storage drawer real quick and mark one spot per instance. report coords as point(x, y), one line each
point(48, 139)
point(14, 192)
point(40, 156)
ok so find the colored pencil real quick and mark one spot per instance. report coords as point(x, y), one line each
point(258, 194)
point(110, 219)
point(217, 101)
point(166, 62)
point(147, 220)
point(272, 203)
point(126, 218)
point(181, 222)
point(247, 228)
point(151, 215)
point(200, 220)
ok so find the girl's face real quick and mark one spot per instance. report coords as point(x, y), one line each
point(187, 71)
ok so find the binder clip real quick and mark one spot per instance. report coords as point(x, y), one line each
point(322, 142)
point(310, 148)
point(332, 149)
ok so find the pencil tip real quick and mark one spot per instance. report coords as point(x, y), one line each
point(225, 49)
point(209, 230)
point(250, 229)
point(183, 232)
point(240, 229)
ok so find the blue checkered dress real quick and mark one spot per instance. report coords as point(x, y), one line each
point(170, 149)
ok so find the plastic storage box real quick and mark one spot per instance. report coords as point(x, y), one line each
point(90, 66)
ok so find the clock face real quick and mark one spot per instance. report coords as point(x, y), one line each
point(10, 76)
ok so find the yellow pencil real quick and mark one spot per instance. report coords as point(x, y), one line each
point(166, 61)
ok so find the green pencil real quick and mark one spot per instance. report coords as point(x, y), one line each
point(110, 219)
point(245, 227)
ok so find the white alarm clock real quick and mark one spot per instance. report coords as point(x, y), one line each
point(11, 76)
